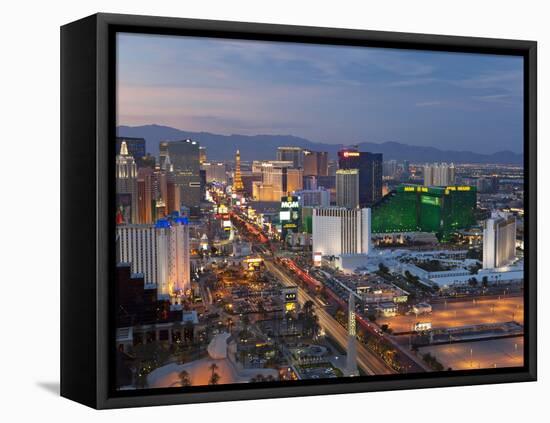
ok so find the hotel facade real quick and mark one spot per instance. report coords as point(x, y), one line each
point(340, 231)
point(159, 252)
point(499, 241)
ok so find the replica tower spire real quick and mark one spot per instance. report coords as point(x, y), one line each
point(237, 179)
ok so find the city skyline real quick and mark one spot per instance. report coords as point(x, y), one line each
point(219, 291)
point(276, 259)
point(328, 94)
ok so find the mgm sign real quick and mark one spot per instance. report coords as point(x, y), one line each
point(289, 214)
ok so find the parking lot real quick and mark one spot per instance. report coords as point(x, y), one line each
point(462, 313)
point(498, 353)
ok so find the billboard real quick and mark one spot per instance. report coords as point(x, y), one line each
point(284, 215)
point(289, 214)
point(317, 258)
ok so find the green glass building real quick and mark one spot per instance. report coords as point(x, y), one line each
point(307, 219)
point(415, 208)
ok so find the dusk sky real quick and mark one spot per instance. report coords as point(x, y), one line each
point(337, 95)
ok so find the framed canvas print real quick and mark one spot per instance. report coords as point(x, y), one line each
point(256, 211)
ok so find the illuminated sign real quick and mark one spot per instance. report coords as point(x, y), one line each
point(254, 263)
point(254, 260)
point(400, 299)
point(422, 326)
point(408, 189)
point(284, 215)
point(289, 214)
point(290, 296)
point(460, 188)
point(351, 154)
point(290, 204)
point(433, 201)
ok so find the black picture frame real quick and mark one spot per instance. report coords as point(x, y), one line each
point(87, 201)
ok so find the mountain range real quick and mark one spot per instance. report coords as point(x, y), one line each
point(264, 147)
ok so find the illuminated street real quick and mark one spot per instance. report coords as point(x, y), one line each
point(367, 361)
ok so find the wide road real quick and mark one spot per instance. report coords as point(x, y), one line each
point(367, 361)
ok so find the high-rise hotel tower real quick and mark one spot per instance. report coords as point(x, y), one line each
point(347, 188)
point(337, 231)
point(499, 241)
point(369, 166)
point(126, 185)
point(439, 174)
point(159, 252)
point(184, 158)
point(292, 154)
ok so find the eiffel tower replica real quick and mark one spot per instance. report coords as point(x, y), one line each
point(237, 179)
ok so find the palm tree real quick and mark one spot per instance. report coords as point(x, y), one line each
point(257, 378)
point(310, 319)
point(141, 378)
point(214, 379)
point(176, 332)
point(213, 367)
point(308, 308)
point(185, 380)
point(189, 332)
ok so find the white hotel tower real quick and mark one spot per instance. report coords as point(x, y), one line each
point(337, 231)
point(160, 252)
point(499, 240)
point(439, 174)
point(173, 257)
